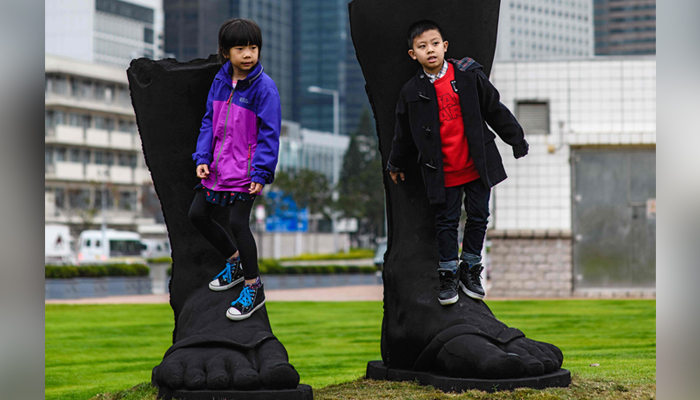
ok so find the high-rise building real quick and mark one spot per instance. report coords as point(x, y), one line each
point(325, 57)
point(544, 29)
point(109, 32)
point(625, 27)
point(192, 31)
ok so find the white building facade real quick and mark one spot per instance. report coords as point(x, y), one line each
point(92, 148)
point(111, 32)
point(545, 29)
point(583, 200)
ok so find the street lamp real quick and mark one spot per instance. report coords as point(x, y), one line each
point(336, 132)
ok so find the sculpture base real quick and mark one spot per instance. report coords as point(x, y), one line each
point(302, 392)
point(378, 371)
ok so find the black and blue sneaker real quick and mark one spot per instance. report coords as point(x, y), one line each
point(231, 276)
point(448, 292)
point(470, 280)
point(251, 298)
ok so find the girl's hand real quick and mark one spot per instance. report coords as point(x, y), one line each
point(395, 174)
point(255, 188)
point(202, 171)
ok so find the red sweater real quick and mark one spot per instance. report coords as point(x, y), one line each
point(457, 164)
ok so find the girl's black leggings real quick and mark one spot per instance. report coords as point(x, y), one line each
point(200, 215)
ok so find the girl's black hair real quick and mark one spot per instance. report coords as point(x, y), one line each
point(417, 28)
point(238, 32)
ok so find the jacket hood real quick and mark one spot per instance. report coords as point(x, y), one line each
point(465, 64)
point(225, 74)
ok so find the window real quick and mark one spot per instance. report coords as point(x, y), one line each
point(533, 116)
point(124, 247)
point(99, 157)
point(74, 155)
point(148, 35)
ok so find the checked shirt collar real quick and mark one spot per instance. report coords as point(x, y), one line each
point(434, 77)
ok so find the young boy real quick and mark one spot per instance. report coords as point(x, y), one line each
point(442, 113)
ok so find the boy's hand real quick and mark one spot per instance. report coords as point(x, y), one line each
point(395, 174)
point(255, 188)
point(202, 171)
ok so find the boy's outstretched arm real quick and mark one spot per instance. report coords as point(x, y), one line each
point(402, 143)
point(499, 117)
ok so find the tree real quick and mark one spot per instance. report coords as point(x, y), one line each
point(360, 187)
point(309, 189)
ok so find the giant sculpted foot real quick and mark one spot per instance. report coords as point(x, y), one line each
point(211, 356)
point(211, 352)
point(422, 339)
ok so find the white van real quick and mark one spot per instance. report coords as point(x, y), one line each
point(155, 248)
point(124, 247)
point(59, 245)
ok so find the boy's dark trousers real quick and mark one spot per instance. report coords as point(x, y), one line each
point(476, 204)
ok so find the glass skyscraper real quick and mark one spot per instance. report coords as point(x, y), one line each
point(625, 27)
point(324, 56)
point(192, 31)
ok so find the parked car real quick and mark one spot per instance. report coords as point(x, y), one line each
point(123, 247)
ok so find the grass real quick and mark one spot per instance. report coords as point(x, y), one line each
point(93, 349)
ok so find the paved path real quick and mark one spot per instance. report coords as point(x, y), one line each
point(338, 293)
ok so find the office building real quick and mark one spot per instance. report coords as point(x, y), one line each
point(544, 30)
point(92, 149)
point(325, 57)
point(625, 27)
point(111, 32)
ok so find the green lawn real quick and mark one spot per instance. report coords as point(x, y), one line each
point(92, 349)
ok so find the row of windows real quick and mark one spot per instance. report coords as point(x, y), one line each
point(92, 198)
point(54, 154)
point(546, 47)
point(115, 49)
point(532, 8)
point(86, 89)
point(561, 52)
point(540, 22)
point(52, 118)
point(122, 28)
point(545, 35)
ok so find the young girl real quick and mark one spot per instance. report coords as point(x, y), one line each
point(236, 156)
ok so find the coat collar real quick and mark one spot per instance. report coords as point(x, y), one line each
point(225, 74)
point(465, 64)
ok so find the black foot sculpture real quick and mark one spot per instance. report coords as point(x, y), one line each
point(461, 346)
point(211, 356)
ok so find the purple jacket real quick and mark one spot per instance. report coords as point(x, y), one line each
point(239, 137)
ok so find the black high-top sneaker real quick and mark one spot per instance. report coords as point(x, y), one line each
point(470, 280)
point(231, 276)
point(449, 294)
point(251, 298)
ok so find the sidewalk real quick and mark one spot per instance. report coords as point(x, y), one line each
point(338, 293)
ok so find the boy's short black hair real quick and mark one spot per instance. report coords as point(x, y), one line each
point(417, 28)
point(238, 32)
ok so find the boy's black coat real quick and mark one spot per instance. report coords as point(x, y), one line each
point(417, 132)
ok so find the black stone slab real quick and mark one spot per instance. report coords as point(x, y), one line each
point(303, 392)
point(378, 371)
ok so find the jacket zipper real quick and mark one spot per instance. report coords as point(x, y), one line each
point(221, 149)
point(249, 160)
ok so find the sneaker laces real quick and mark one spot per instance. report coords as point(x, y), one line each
point(474, 274)
point(246, 297)
point(227, 273)
point(447, 283)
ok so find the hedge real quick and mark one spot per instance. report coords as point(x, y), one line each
point(273, 267)
point(160, 260)
point(94, 271)
point(353, 254)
